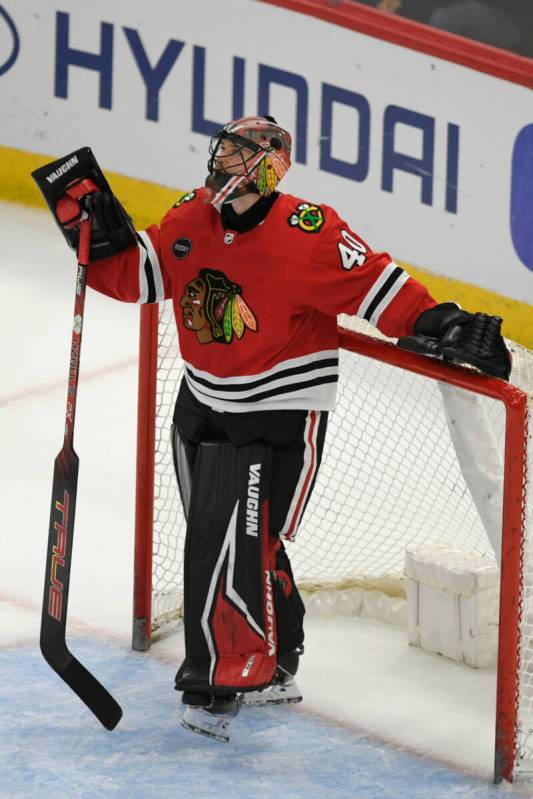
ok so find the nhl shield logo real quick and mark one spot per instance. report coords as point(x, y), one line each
point(229, 238)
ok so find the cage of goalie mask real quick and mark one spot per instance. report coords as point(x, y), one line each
point(264, 149)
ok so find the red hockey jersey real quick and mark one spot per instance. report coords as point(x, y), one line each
point(256, 311)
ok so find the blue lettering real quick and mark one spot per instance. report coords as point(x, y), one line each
point(200, 124)
point(354, 170)
point(522, 196)
point(422, 167)
point(12, 56)
point(67, 56)
point(153, 77)
point(238, 87)
point(270, 75)
point(452, 168)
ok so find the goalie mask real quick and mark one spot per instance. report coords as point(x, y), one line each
point(249, 155)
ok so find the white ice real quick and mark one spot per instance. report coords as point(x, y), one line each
point(359, 678)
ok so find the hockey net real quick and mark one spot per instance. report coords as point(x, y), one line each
point(416, 452)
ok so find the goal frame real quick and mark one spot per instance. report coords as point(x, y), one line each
point(513, 527)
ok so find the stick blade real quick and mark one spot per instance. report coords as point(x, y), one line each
point(91, 692)
point(56, 591)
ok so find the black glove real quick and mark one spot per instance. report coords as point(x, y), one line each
point(460, 337)
point(436, 321)
point(112, 229)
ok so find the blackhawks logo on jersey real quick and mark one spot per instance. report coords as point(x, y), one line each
point(185, 198)
point(213, 307)
point(307, 217)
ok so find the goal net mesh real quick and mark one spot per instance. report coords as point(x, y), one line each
point(389, 479)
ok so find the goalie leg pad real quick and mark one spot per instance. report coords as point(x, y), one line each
point(290, 609)
point(183, 452)
point(230, 626)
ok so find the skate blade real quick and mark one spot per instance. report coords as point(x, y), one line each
point(259, 702)
point(274, 695)
point(215, 736)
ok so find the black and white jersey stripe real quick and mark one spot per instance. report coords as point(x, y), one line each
point(151, 288)
point(382, 293)
point(313, 441)
point(307, 382)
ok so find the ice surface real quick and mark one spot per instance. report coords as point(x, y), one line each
point(51, 745)
point(379, 719)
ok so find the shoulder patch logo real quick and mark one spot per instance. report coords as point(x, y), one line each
point(213, 307)
point(185, 198)
point(307, 217)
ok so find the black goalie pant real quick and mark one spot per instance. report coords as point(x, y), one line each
point(224, 461)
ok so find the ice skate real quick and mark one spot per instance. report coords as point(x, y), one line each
point(210, 715)
point(275, 694)
point(283, 689)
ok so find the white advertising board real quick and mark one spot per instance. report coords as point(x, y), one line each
point(425, 158)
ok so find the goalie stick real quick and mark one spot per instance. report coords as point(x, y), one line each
point(64, 491)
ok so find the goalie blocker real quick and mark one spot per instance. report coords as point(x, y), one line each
point(62, 184)
point(456, 336)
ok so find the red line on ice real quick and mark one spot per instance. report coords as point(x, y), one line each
point(50, 388)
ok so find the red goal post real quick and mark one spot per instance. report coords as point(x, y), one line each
point(515, 659)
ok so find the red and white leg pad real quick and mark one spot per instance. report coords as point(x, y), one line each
point(230, 625)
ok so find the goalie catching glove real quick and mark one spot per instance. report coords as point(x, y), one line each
point(460, 337)
point(113, 229)
point(75, 188)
